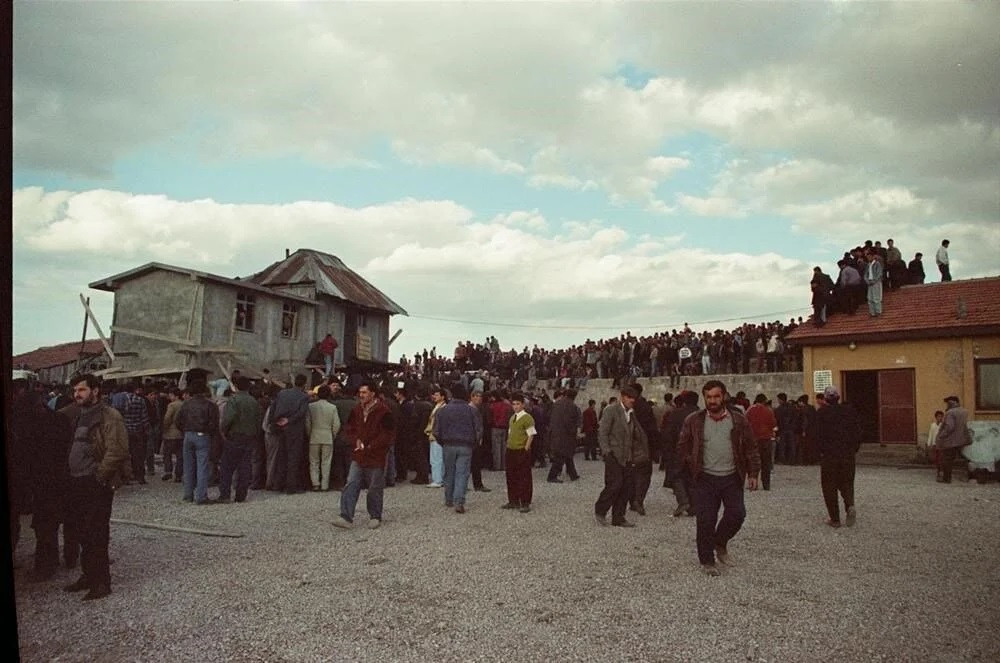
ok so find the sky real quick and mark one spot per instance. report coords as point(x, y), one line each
point(540, 172)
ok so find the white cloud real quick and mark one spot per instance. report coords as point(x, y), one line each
point(437, 258)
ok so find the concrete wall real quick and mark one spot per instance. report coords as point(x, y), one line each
point(654, 388)
point(942, 367)
point(265, 347)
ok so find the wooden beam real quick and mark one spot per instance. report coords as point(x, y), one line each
point(145, 334)
point(223, 369)
point(97, 326)
point(198, 289)
point(394, 337)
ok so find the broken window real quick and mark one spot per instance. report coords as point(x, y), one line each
point(245, 305)
point(289, 320)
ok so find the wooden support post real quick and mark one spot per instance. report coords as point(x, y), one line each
point(97, 326)
point(394, 337)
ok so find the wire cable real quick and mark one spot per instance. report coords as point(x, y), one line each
point(594, 327)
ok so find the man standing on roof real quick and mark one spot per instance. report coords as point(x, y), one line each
point(942, 261)
point(873, 278)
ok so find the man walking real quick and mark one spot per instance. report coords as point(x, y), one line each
point(457, 427)
point(623, 447)
point(241, 421)
point(952, 435)
point(563, 424)
point(717, 446)
point(838, 438)
point(99, 463)
point(371, 430)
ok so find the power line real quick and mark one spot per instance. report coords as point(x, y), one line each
point(596, 328)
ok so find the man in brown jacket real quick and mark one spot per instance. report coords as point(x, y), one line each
point(718, 448)
point(370, 430)
point(99, 462)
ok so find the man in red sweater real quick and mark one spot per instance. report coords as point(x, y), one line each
point(370, 430)
point(763, 423)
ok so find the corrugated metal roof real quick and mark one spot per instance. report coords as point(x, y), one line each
point(330, 276)
point(953, 308)
point(57, 355)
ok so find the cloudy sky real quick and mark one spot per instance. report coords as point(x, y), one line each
point(545, 173)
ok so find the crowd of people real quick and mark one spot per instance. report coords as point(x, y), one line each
point(238, 435)
point(862, 275)
point(748, 348)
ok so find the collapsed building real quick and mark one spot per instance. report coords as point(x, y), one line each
point(170, 320)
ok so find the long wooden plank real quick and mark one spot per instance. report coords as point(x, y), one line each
point(147, 334)
point(97, 326)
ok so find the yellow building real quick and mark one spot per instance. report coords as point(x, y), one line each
point(931, 341)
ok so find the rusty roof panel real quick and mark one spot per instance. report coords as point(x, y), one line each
point(330, 276)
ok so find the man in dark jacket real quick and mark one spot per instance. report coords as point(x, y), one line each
point(952, 435)
point(457, 428)
point(644, 471)
point(50, 436)
point(838, 438)
point(789, 419)
point(341, 462)
point(563, 424)
point(99, 462)
point(717, 446)
point(677, 476)
point(288, 415)
point(240, 425)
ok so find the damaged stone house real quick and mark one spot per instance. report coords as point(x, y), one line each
point(168, 319)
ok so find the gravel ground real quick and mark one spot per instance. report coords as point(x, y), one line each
point(915, 580)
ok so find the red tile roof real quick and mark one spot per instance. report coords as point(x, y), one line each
point(957, 308)
point(57, 355)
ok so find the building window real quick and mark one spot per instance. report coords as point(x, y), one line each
point(245, 307)
point(988, 384)
point(290, 320)
point(362, 321)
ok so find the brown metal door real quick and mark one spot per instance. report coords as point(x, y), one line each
point(897, 408)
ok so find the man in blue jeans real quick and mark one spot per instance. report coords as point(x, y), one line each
point(198, 419)
point(718, 448)
point(457, 426)
point(370, 430)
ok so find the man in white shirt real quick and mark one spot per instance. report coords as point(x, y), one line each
point(942, 261)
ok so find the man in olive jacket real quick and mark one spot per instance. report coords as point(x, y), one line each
point(623, 448)
point(718, 448)
point(99, 462)
point(240, 427)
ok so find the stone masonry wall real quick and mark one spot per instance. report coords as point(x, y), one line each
point(654, 389)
